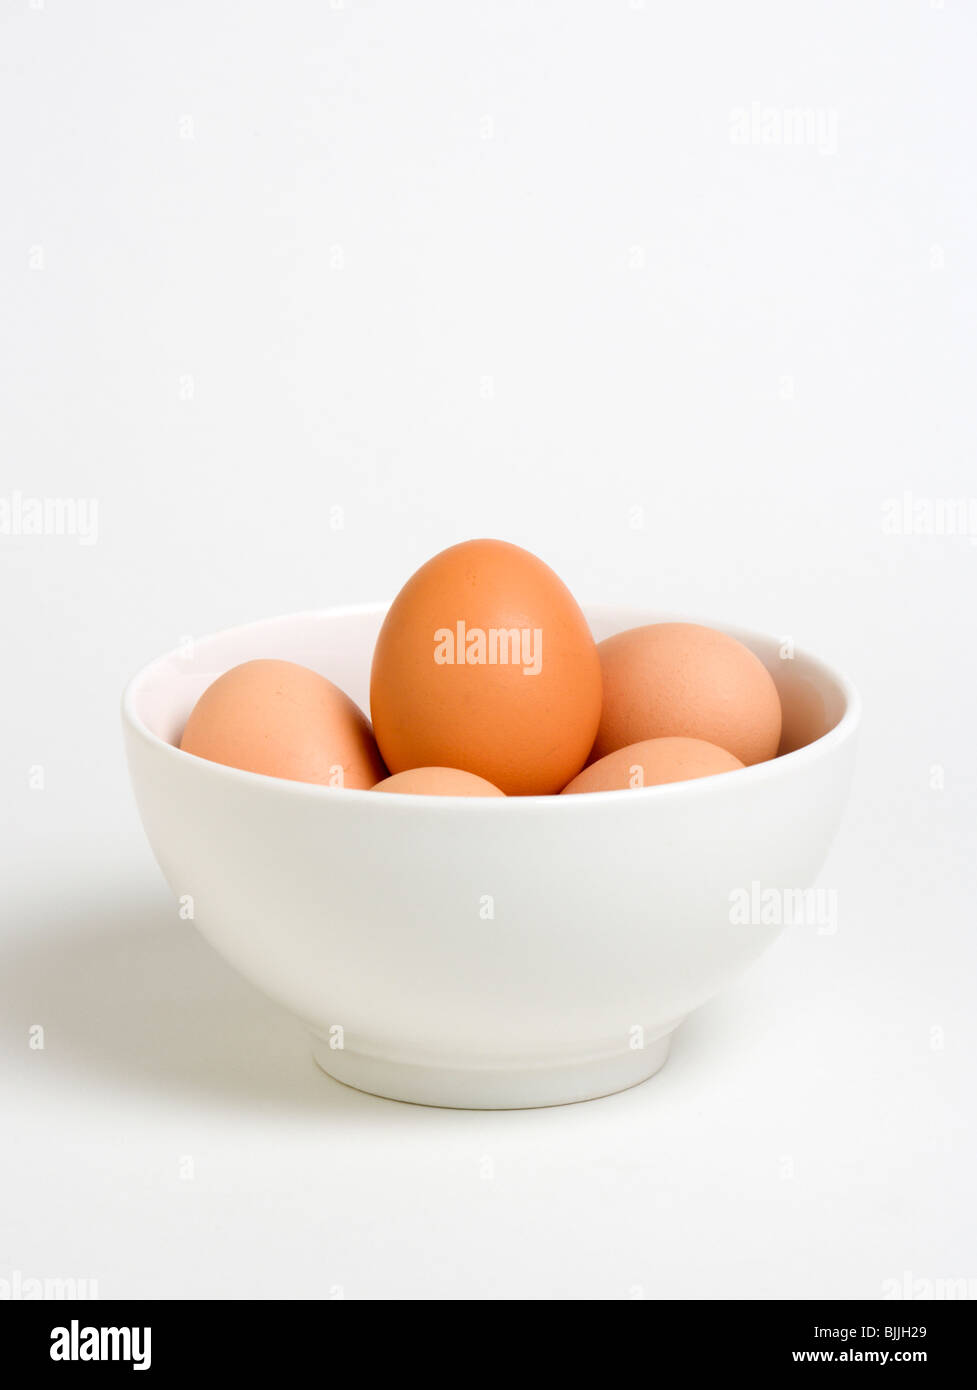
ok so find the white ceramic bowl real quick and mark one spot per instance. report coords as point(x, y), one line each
point(482, 953)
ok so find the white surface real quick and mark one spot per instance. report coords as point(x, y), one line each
point(611, 915)
point(792, 348)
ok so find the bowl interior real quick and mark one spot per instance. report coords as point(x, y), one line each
point(339, 643)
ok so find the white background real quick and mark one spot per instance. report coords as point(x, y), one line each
point(301, 293)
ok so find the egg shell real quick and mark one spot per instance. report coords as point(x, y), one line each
point(439, 700)
point(437, 781)
point(684, 680)
point(651, 763)
point(283, 720)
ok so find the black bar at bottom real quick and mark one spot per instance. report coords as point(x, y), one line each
point(168, 1339)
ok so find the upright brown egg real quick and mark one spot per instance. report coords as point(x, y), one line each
point(486, 663)
point(681, 680)
point(283, 720)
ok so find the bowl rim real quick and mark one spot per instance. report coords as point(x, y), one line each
point(406, 802)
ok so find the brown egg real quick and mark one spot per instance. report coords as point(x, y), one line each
point(652, 762)
point(486, 663)
point(682, 680)
point(438, 781)
point(284, 720)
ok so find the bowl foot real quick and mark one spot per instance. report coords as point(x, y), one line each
point(485, 1088)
